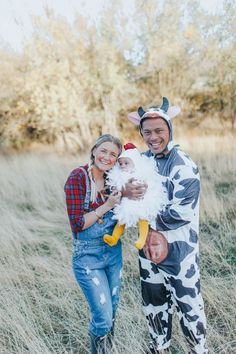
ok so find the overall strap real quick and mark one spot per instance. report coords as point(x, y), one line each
point(88, 191)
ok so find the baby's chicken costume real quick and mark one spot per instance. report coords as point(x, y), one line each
point(132, 212)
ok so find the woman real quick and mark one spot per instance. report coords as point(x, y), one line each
point(96, 265)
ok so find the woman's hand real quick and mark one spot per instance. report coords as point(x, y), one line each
point(134, 190)
point(113, 199)
point(156, 246)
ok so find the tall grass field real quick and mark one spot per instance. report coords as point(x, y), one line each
point(43, 311)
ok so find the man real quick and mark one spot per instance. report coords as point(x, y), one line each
point(169, 261)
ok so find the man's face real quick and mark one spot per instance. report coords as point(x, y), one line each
point(156, 134)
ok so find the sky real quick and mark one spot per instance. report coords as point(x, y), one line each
point(15, 15)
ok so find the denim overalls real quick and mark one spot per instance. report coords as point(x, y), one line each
point(97, 268)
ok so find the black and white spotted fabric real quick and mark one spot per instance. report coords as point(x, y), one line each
point(175, 282)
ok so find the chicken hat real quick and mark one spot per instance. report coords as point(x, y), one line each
point(131, 151)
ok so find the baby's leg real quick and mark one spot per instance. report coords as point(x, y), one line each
point(143, 232)
point(112, 240)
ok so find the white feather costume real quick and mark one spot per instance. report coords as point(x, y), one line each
point(129, 211)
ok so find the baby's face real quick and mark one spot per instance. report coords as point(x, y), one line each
point(126, 164)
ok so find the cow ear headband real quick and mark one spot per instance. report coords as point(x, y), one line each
point(164, 111)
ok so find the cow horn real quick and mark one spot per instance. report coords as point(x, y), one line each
point(141, 112)
point(165, 104)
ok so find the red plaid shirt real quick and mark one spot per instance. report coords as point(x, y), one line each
point(75, 189)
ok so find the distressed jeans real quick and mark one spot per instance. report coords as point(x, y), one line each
point(97, 268)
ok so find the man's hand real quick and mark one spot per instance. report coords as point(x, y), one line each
point(134, 190)
point(156, 246)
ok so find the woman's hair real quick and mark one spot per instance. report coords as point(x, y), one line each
point(104, 139)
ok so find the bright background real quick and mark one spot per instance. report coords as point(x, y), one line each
point(15, 15)
point(70, 71)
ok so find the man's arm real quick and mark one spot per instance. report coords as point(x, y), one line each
point(182, 206)
point(183, 195)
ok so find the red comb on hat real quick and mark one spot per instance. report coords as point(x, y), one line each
point(129, 146)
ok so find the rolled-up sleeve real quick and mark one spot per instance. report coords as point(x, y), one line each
point(75, 190)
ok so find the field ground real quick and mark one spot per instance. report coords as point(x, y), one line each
point(42, 311)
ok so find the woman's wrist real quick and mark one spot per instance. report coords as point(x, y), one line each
point(98, 216)
point(101, 210)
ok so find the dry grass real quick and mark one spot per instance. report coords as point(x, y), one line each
point(42, 310)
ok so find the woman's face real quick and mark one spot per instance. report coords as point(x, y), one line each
point(105, 156)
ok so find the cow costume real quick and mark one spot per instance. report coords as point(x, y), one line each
point(174, 282)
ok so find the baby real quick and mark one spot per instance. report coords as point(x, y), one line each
point(131, 164)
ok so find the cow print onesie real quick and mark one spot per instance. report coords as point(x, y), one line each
point(175, 282)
